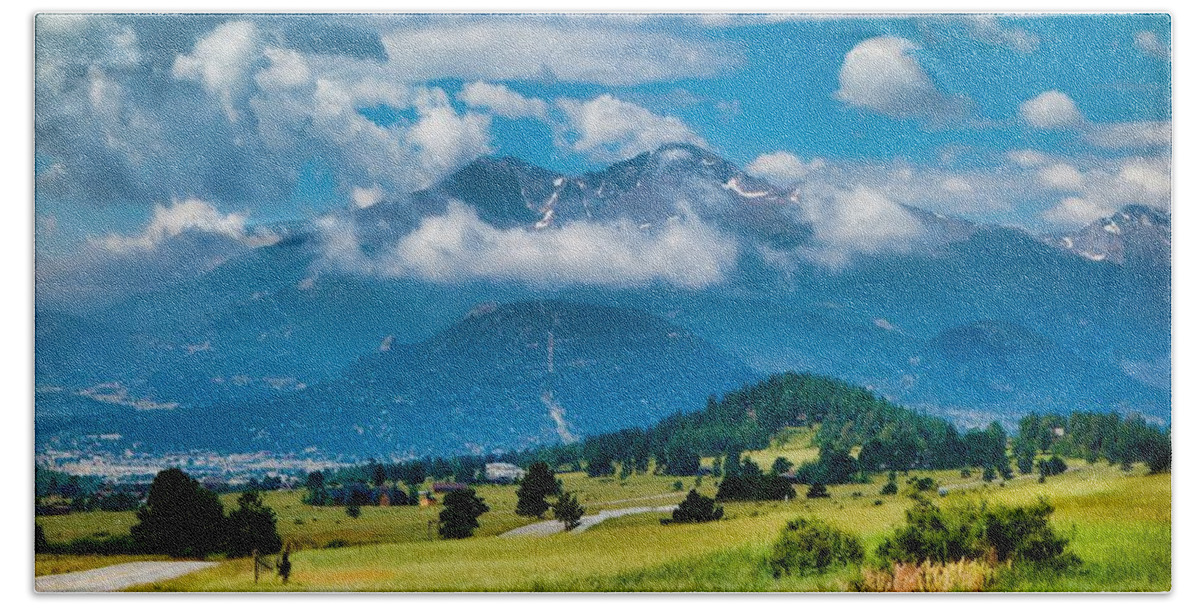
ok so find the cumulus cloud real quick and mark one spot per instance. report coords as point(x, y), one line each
point(458, 246)
point(1061, 176)
point(1056, 110)
point(573, 49)
point(1076, 211)
point(881, 74)
point(608, 129)
point(446, 140)
point(366, 197)
point(502, 100)
point(783, 168)
point(1052, 110)
point(221, 61)
point(1107, 188)
point(1150, 44)
point(858, 220)
point(190, 215)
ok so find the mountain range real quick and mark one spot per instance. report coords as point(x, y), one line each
point(337, 338)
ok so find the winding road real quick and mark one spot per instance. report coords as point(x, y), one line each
point(552, 526)
point(116, 578)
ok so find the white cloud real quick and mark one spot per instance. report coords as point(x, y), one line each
point(366, 197)
point(574, 49)
point(609, 129)
point(445, 140)
point(988, 28)
point(190, 215)
point(1135, 180)
point(882, 75)
point(1076, 211)
point(1027, 158)
point(783, 168)
point(1138, 134)
point(1150, 177)
point(221, 61)
point(288, 69)
point(1056, 110)
point(502, 100)
point(957, 185)
point(1061, 176)
point(459, 246)
point(1150, 44)
point(857, 220)
point(1052, 110)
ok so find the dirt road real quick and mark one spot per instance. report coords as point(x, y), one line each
point(115, 578)
point(544, 528)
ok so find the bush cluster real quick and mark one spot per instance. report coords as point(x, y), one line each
point(807, 545)
point(976, 531)
point(696, 508)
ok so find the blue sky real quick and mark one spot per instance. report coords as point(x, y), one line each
point(1044, 122)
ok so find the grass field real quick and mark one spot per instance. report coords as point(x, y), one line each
point(1119, 523)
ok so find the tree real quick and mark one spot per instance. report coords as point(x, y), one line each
point(180, 518)
point(461, 514)
point(889, 488)
point(538, 483)
point(781, 465)
point(283, 566)
point(696, 508)
point(568, 511)
point(817, 490)
point(682, 460)
point(317, 494)
point(40, 545)
point(378, 475)
point(354, 510)
point(252, 527)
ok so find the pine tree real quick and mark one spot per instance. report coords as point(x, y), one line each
point(252, 527)
point(568, 511)
point(696, 509)
point(538, 483)
point(461, 514)
point(180, 518)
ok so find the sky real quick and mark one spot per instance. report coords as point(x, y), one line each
point(152, 126)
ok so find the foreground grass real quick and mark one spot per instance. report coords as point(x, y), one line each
point(1119, 524)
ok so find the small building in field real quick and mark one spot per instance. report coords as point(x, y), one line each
point(503, 472)
point(441, 487)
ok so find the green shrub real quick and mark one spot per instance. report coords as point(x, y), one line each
point(923, 484)
point(812, 546)
point(1053, 466)
point(817, 490)
point(889, 488)
point(696, 509)
point(975, 531)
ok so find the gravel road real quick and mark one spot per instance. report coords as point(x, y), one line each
point(115, 578)
point(544, 528)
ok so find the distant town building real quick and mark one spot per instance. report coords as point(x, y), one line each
point(503, 472)
point(441, 487)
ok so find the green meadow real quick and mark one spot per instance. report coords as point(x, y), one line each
point(1118, 523)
